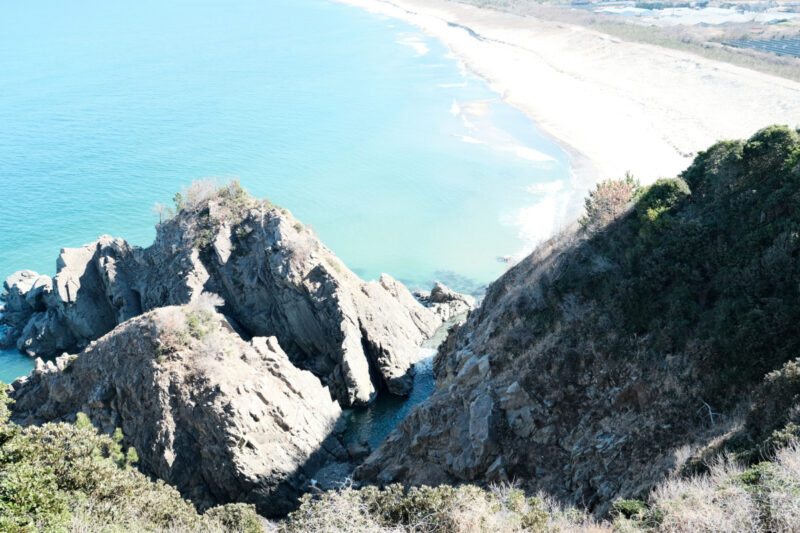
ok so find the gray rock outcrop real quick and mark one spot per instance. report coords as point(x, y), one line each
point(86, 299)
point(220, 418)
point(445, 302)
point(24, 294)
point(276, 279)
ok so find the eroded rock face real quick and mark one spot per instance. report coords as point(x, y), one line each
point(275, 277)
point(515, 401)
point(23, 295)
point(220, 418)
point(86, 299)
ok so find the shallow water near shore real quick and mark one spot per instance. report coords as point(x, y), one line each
point(362, 126)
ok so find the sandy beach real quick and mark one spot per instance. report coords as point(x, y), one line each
point(616, 106)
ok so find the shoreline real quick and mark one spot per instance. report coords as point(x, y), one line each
point(614, 106)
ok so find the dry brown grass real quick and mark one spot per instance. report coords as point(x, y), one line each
point(729, 498)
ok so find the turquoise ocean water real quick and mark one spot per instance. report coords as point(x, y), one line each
point(360, 125)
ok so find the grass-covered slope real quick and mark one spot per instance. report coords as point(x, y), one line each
point(616, 352)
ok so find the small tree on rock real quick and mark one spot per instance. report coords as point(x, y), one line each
point(609, 201)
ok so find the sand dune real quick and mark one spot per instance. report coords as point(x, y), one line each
point(616, 105)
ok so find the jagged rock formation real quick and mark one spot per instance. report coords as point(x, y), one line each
point(220, 418)
point(598, 364)
point(24, 295)
point(274, 275)
point(445, 302)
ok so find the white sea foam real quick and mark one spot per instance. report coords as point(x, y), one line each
point(548, 187)
point(467, 123)
point(416, 43)
point(530, 154)
point(482, 131)
point(478, 108)
point(425, 356)
point(542, 219)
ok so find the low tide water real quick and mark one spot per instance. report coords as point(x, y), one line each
point(362, 126)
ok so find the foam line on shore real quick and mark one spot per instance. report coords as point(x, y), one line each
point(613, 105)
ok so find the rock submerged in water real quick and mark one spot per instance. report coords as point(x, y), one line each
point(275, 277)
point(220, 418)
point(445, 302)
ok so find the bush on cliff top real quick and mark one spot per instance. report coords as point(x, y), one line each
point(67, 477)
point(609, 201)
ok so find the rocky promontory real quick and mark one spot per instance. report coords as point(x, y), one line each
point(220, 418)
point(275, 279)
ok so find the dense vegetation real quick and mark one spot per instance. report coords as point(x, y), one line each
point(63, 477)
point(709, 258)
point(729, 498)
point(689, 297)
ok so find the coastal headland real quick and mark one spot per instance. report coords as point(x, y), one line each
point(615, 105)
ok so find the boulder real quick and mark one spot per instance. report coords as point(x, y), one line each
point(358, 450)
point(88, 297)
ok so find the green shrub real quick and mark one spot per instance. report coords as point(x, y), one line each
point(629, 508)
point(199, 323)
point(443, 509)
point(55, 476)
point(234, 517)
point(709, 273)
point(656, 201)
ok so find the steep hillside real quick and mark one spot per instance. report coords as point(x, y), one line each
point(604, 360)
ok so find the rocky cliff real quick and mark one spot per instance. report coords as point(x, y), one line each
point(219, 418)
point(600, 363)
point(275, 277)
